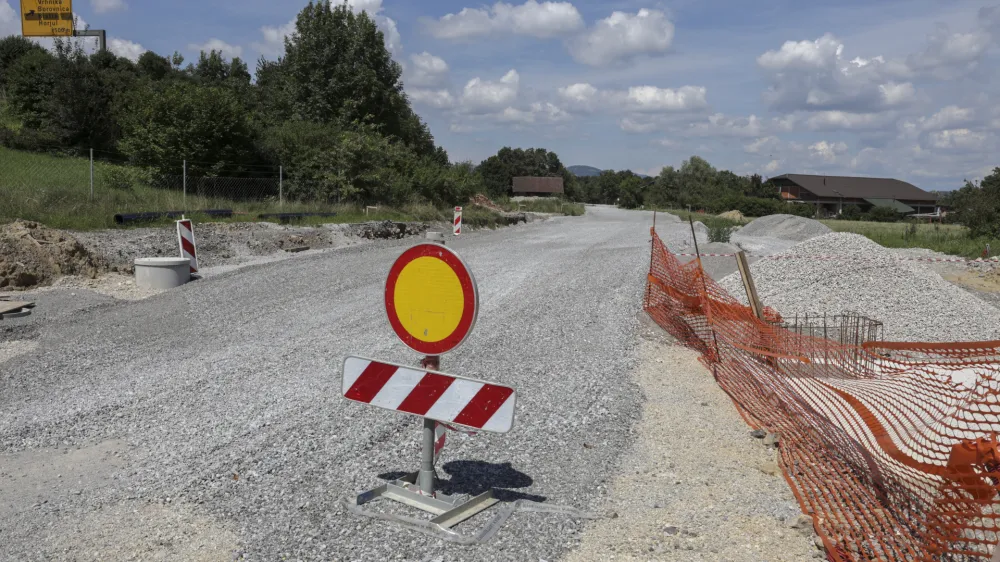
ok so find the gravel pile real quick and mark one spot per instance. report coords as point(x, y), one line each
point(914, 302)
point(785, 227)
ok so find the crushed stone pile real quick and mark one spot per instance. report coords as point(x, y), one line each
point(914, 302)
point(785, 227)
point(733, 215)
point(31, 254)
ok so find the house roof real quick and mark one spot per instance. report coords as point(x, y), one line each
point(527, 184)
point(858, 188)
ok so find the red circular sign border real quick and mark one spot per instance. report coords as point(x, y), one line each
point(470, 293)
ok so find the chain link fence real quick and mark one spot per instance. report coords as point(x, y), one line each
point(67, 191)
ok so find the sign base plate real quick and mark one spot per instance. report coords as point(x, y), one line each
point(449, 510)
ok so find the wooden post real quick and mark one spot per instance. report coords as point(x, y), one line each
point(744, 266)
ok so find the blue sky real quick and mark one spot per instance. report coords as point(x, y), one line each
point(906, 89)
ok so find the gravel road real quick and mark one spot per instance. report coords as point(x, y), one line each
point(211, 414)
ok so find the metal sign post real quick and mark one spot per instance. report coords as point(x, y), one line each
point(431, 300)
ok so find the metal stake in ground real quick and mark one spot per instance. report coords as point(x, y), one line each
point(704, 284)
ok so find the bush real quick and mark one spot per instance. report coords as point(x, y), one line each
point(123, 178)
point(851, 213)
point(805, 211)
point(719, 232)
point(883, 214)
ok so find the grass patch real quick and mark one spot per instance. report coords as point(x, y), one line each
point(950, 239)
point(55, 190)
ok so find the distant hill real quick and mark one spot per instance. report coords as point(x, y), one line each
point(587, 171)
point(584, 171)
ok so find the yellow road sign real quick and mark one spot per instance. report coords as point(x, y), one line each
point(47, 18)
point(431, 299)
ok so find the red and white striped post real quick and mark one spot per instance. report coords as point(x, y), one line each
point(185, 238)
point(458, 221)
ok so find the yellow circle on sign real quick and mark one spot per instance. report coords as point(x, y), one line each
point(429, 299)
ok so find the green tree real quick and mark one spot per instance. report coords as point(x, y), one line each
point(977, 206)
point(153, 66)
point(630, 192)
point(498, 171)
point(163, 124)
point(30, 82)
point(12, 48)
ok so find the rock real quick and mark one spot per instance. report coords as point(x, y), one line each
point(772, 440)
point(670, 531)
point(758, 434)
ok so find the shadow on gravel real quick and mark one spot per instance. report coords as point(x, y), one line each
point(475, 477)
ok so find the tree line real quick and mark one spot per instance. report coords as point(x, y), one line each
point(331, 110)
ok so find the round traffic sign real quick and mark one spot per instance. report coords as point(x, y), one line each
point(431, 299)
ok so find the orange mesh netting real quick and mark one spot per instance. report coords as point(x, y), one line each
point(891, 448)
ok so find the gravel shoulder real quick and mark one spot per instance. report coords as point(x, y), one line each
point(692, 486)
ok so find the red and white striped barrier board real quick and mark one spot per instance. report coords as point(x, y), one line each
point(458, 221)
point(429, 394)
point(185, 237)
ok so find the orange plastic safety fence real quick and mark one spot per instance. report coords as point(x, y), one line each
point(891, 447)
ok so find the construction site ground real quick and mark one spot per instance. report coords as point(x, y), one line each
point(205, 422)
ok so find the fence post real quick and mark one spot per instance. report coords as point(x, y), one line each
point(281, 192)
point(185, 196)
point(91, 174)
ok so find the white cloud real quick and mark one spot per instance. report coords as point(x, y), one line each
point(803, 55)
point(957, 139)
point(370, 6)
point(427, 70)
point(815, 76)
point(721, 125)
point(10, 21)
point(638, 99)
point(273, 44)
point(101, 6)
point(634, 126)
point(440, 99)
point(622, 36)
point(549, 112)
point(651, 98)
point(772, 166)
point(393, 41)
point(542, 20)
point(227, 50)
point(950, 55)
point(897, 94)
point(579, 93)
point(486, 96)
point(827, 151)
point(836, 120)
point(763, 144)
point(514, 115)
point(949, 117)
point(125, 48)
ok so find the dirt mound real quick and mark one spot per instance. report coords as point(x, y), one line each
point(32, 254)
point(785, 227)
point(733, 216)
point(481, 200)
point(388, 230)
